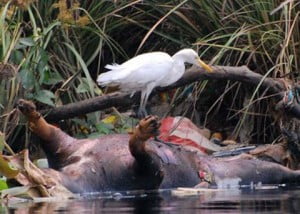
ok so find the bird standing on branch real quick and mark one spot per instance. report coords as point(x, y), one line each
point(149, 70)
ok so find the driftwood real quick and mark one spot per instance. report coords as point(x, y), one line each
point(242, 74)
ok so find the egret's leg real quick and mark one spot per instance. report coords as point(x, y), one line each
point(147, 94)
point(142, 112)
point(144, 98)
point(132, 93)
point(142, 109)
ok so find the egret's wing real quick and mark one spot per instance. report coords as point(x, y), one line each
point(138, 71)
point(148, 67)
point(112, 67)
point(111, 77)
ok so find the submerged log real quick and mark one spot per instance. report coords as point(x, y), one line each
point(118, 99)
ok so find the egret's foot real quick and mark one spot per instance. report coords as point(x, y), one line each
point(142, 113)
point(148, 127)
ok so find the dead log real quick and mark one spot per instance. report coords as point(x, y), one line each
point(242, 74)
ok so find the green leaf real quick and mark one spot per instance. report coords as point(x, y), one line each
point(84, 68)
point(16, 57)
point(28, 41)
point(42, 64)
point(27, 78)
point(3, 184)
point(29, 96)
point(45, 96)
point(6, 169)
point(95, 135)
point(51, 78)
point(104, 128)
point(83, 86)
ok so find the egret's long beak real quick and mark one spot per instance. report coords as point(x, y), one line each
point(204, 65)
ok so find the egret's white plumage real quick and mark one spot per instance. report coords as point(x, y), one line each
point(147, 71)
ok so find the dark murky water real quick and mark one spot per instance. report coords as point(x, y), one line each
point(279, 200)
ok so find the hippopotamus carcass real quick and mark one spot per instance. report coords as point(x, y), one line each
point(136, 160)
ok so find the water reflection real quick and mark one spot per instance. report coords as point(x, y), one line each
point(225, 201)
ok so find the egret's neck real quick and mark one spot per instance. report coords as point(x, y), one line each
point(178, 66)
point(179, 59)
point(179, 62)
point(177, 71)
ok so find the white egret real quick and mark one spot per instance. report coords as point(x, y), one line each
point(149, 70)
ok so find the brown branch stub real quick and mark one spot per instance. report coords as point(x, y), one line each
point(242, 74)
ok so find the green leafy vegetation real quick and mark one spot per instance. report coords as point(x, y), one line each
point(45, 51)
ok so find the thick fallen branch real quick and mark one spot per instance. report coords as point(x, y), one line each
point(118, 99)
point(241, 74)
